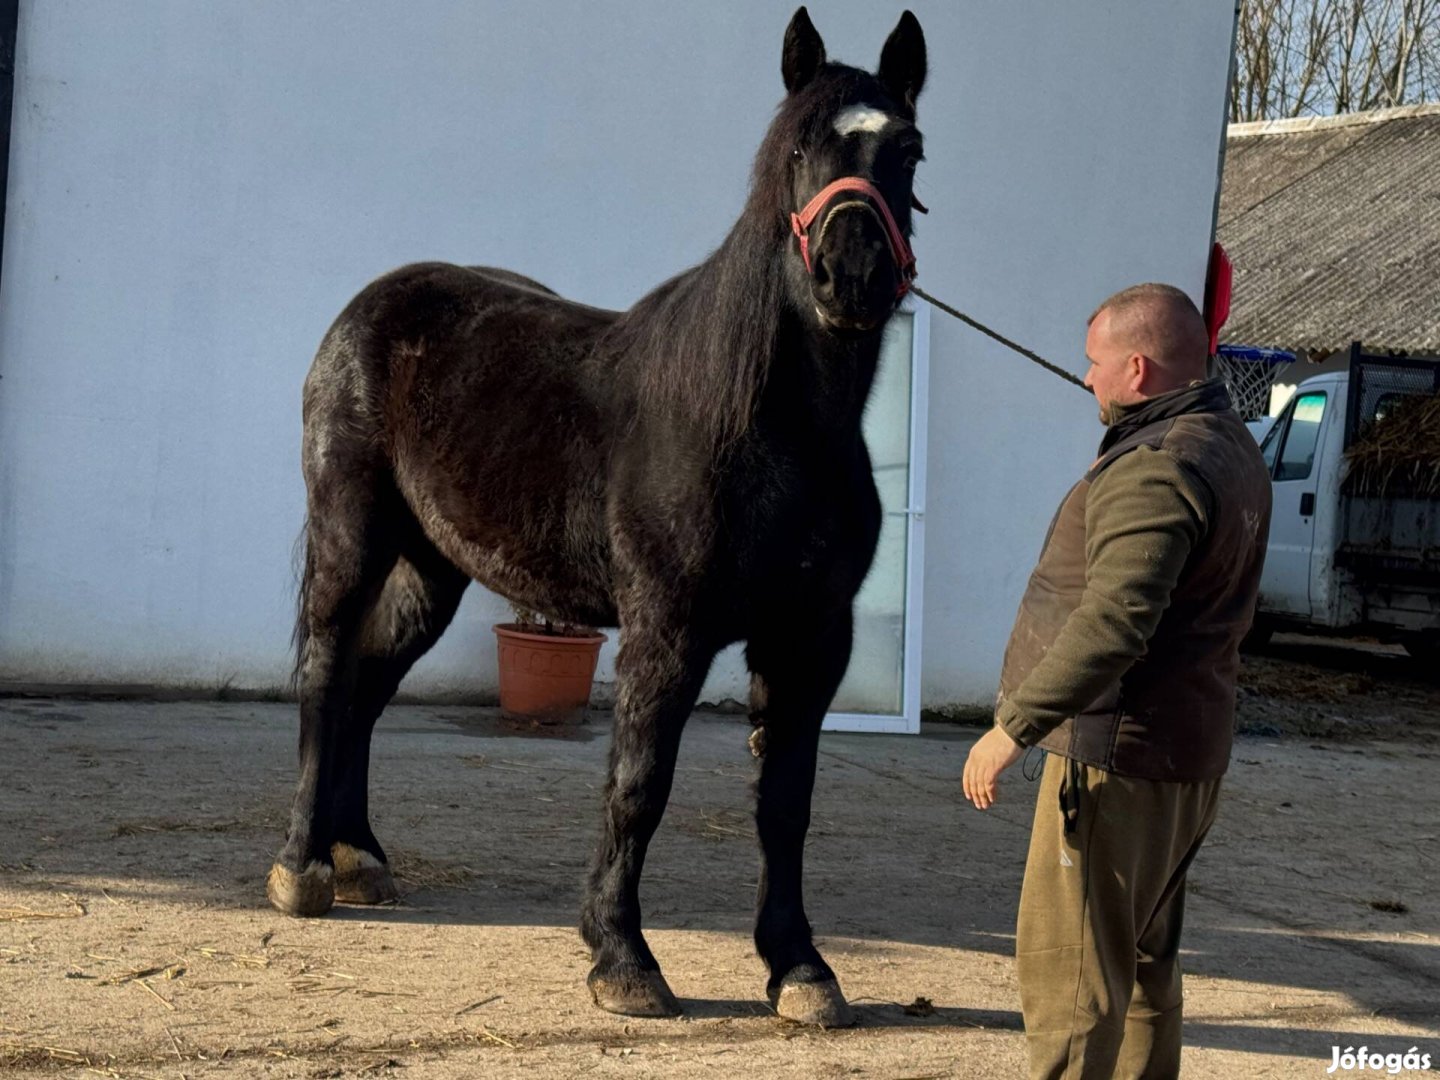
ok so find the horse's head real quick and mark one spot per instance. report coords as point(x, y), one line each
point(852, 151)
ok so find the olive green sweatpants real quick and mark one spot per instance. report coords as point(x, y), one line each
point(1098, 941)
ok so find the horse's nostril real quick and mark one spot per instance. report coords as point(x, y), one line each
point(822, 274)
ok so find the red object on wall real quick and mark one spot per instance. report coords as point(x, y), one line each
point(1217, 294)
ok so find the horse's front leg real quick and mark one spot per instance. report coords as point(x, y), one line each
point(659, 672)
point(792, 683)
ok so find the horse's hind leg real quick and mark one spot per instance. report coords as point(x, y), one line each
point(790, 690)
point(418, 602)
point(351, 546)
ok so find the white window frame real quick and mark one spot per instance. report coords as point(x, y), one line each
point(908, 721)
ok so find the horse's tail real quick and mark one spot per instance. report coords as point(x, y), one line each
point(303, 563)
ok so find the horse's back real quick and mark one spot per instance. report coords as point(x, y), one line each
point(435, 299)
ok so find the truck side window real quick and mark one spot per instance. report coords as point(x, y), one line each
point(1297, 455)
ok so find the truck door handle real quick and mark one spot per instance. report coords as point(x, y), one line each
point(1307, 504)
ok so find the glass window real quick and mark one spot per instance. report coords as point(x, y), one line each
point(1297, 455)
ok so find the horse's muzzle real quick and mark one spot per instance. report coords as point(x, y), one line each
point(854, 280)
point(848, 323)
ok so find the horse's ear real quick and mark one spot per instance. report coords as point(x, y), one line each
point(902, 61)
point(804, 52)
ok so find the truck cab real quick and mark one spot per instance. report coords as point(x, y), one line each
point(1342, 557)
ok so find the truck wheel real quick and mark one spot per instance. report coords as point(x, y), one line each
point(1259, 636)
point(1423, 647)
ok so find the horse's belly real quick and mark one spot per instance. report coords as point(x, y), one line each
point(548, 561)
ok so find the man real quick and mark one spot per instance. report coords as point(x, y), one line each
point(1122, 665)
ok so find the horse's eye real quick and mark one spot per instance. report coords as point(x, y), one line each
point(911, 163)
point(797, 155)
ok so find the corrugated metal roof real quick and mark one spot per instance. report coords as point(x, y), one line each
point(1333, 227)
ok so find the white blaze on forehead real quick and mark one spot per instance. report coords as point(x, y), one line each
point(862, 118)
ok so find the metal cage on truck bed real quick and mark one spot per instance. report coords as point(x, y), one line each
point(1390, 531)
point(1376, 379)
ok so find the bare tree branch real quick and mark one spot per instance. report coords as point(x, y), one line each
point(1310, 57)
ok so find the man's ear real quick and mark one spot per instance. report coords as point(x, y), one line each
point(1140, 369)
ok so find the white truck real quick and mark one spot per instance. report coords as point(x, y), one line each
point(1344, 557)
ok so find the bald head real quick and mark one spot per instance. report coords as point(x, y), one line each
point(1161, 323)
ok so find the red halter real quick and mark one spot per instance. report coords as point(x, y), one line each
point(904, 257)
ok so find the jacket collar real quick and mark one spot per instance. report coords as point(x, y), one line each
point(1207, 396)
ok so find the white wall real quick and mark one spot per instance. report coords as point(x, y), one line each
point(196, 190)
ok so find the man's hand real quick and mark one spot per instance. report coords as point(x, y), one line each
point(993, 754)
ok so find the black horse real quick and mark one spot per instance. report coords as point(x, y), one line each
point(691, 470)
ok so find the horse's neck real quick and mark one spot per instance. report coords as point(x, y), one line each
point(819, 382)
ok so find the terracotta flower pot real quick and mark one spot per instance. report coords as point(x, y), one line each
point(546, 677)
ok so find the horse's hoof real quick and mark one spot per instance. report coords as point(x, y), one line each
point(361, 878)
point(634, 993)
point(819, 1004)
point(306, 894)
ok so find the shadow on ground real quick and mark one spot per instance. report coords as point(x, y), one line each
point(1320, 875)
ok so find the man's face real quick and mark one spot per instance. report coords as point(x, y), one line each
point(1114, 373)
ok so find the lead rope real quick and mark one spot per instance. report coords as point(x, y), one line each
point(1033, 764)
point(1052, 368)
point(1034, 761)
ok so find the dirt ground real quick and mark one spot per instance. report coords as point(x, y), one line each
point(135, 940)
